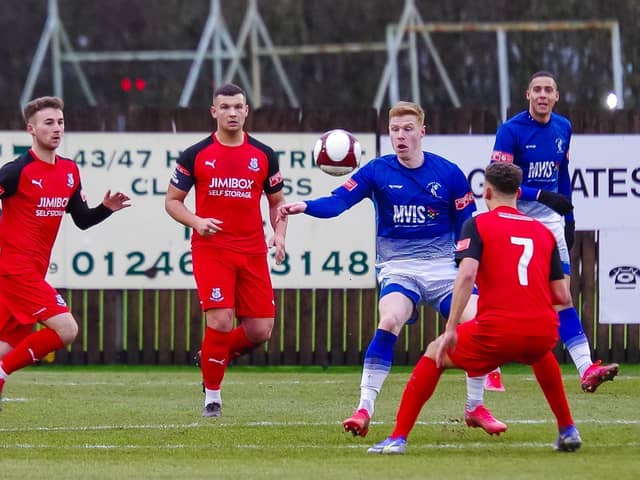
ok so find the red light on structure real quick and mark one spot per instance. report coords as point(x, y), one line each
point(140, 84)
point(125, 84)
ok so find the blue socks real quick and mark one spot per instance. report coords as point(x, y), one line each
point(575, 339)
point(377, 365)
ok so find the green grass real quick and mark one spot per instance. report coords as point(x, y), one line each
point(285, 423)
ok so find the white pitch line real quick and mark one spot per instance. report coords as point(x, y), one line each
point(434, 446)
point(54, 383)
point(218, 424)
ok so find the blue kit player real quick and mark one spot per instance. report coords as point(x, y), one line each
point(537, 140)
point(421, 201)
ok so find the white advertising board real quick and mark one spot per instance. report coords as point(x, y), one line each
point(118, 253)
point(619, 276)
point(605, 172)
point(331, 253)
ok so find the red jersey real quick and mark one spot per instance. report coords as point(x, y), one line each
point(518, 258)
point(35, 196)
point(229, 182)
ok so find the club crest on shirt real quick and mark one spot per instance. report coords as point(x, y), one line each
point(60, 301)
point(434, 189)
point(560, 144)
point(253, 164)
point(216, 294)
point(70, 180)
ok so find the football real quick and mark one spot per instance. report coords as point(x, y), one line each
point(337, 152)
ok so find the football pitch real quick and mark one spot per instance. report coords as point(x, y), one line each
point(285, 423)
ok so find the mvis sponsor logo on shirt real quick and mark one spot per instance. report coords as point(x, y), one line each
point(542, 170)
point(413, 214)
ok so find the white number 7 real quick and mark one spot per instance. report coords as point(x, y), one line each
point(525, 258)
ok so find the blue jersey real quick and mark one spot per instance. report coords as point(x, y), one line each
point(419, 211)
point(541, 150)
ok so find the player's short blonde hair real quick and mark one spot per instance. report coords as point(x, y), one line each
point(407, 108)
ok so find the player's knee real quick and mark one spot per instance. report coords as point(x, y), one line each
point(392, 322)
point(259, 333)
point(432, 348)
point(68, 331)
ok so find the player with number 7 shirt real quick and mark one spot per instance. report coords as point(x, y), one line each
point(537, 140)
point(515, 262)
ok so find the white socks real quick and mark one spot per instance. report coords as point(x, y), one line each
point(211, 396)
point(475, 391)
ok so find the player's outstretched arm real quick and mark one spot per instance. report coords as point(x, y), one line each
point(116, 201)
point(85, 217)
point(291, 209)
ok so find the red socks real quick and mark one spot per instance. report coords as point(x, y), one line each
point(215, 356)
point(218, 348)
point(549, 377)
point(239, 344)
point(31, 349)
point(419, 389)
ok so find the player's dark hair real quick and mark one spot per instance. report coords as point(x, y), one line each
point(505, 177)
point(40, 103)
point(228, 90)
point(543, 73)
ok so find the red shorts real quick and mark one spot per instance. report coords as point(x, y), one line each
point(227, 279)
point(24, 301)
point(477, 353)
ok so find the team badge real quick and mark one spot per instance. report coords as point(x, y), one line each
point(70, 181)
point(253, 164)
point(60, 301)
point(216, 295)
point(560, 145)
point(434, 189)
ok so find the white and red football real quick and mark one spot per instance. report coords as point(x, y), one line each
point(337, 152)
